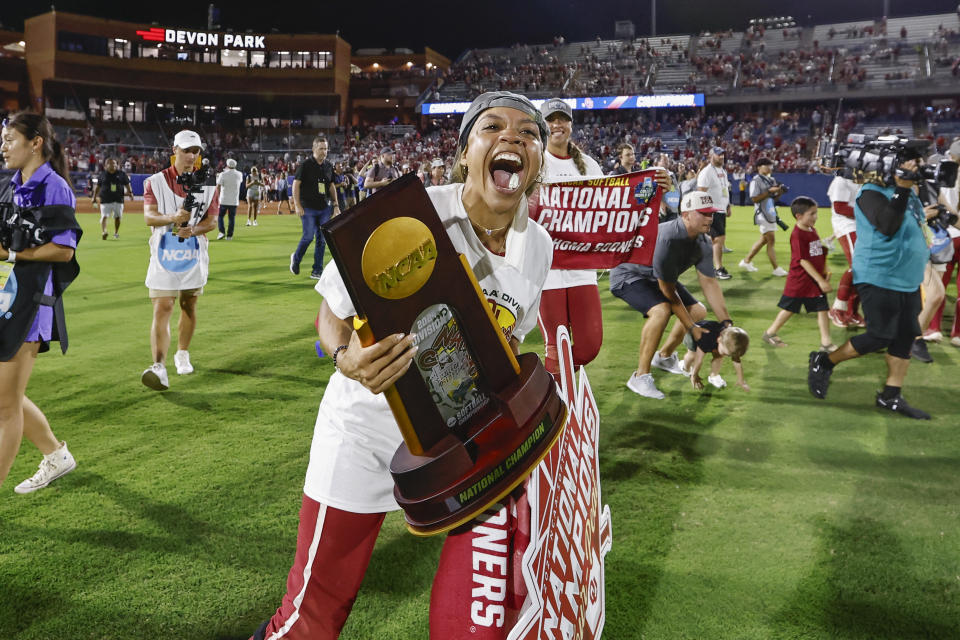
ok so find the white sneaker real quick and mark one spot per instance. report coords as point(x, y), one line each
point(670, 364)
point(933, 336)
point(644, 386)
point(182, 360)
point(748, 266)
point(717, 381)
point(256, 224)
point(156, 377)
point(779, 272)
point(249, 224)
point(54, 465)
point(955, 341)
point(220, 236)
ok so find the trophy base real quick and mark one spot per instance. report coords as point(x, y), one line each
point(456, 480)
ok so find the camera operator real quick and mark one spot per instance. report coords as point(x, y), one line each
point(179, 257)
point(888, 268)
point(764, 192)
point(37, 263)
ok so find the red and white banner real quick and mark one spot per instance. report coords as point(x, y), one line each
point(602, 222)
point(570, 530)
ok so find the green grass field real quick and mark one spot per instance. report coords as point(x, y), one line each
point(760, 515)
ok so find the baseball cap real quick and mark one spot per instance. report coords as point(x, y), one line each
point(717, 151)
point(699, 201)
point(186, 139)
point(231, 163)
point(387, 150)
point(764, 161)
point(555, 105)
point(499, 99)
point(954, 149)
point(437, 162)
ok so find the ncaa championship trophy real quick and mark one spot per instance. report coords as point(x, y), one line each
point(475, 419)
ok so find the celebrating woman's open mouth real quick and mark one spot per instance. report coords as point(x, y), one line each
point(507, 171)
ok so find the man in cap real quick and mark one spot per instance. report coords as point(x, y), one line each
point(381, 173)
point(229, 182)
point(179, 257)
point(655, 291)
point(713, 180)
point(888, 267)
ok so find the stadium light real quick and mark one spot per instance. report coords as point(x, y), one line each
point(23, 43)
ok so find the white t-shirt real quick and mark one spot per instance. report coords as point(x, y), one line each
point(842, 190)
point(715, 181)
point(564, 170)
point(952, 196)
point(229, 182)
point(355, 435)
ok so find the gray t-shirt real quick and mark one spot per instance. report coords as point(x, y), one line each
point(675, 252)
point(765, 207)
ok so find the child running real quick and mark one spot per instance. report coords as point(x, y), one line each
point(808, 280)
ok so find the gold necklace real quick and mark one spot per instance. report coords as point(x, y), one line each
point(489, 233)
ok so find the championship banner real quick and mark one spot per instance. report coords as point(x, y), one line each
point(602, 222)
point(570, 532)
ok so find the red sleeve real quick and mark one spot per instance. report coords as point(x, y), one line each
point(148, 197)
point(843, 208)
point(214, 209)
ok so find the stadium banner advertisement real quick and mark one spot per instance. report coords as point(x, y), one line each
point(203, 38)
point(602, 222)
point(659, 101)
point(570, 529)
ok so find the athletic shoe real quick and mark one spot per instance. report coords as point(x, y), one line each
point(723, 274)
point(920, 352)
point(773, 340)
point(683, 369)
point(103, 236)
point(294, 265)
point(955, 341)
point(933, 336)
point(818, 374)
point(314, 275)
point(899, 405)
point(670, 364)
point(54, 465)
point(856, 320)
point(839, 318)
point(256, 224)
point(779, 272)
point(829, 348)
point(249, 224)
point(717, 381)
point(221, 236)
point(727, 249)
point(116, 236)
point(182, 359)
point(644, 386)
point(156, 377)
point(228, 238)
point(748, 266)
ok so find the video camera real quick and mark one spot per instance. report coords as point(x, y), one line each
point(20, 228)
point(193, 182)
point(864, 159)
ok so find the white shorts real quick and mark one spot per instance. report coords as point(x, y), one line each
point(765, 227)
point(842, 225)
point(111, 209)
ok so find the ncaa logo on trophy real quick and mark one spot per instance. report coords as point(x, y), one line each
point(475, 418)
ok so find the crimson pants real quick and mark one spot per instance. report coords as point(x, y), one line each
point(947, 276)
point(846, 292)
point(333, 551)
point(578, 309)
point(477, 591)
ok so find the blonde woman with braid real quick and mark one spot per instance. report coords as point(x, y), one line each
point(570, 296)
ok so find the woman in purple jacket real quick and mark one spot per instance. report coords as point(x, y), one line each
point(36, 264)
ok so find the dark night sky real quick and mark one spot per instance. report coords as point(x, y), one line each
point(451, 27)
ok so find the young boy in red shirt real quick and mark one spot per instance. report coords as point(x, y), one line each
point(808, 279)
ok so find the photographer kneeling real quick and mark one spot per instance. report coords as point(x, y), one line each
point(888, 268)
